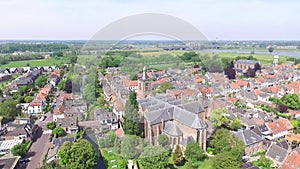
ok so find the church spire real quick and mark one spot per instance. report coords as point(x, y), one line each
point(145, 77)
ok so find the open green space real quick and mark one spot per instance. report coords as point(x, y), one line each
point(33, 63)
point(265, 59)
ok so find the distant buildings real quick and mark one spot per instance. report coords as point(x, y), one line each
point(241, 66)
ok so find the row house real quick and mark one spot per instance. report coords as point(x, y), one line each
point(39, 102)
point(278, 129)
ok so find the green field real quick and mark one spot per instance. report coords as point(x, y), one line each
point(265, 59)
point(33, 63)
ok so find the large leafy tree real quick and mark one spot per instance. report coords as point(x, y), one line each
point(292, 101)
point(228, 148)
point(178, 156)
point(108, 141)
point(235, 124)
point(223, 141)
point(164, 87)
point(263, 162)
point(226, 161)
point(218, 117)
point(41, 81)
point(130, 146)
point(78, 155)
point(131, 116)
point(9, 109)
point(51, 125)
point(154, 157)
point(194, 153)
point(163, 140)
point(19, 150)
point(58, 132)
point(52, 165)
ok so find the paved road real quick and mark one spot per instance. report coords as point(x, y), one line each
point(40, 144)
point(38, 150)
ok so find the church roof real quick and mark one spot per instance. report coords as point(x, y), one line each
point(172, 130)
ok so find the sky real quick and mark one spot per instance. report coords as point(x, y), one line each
point(81, 19)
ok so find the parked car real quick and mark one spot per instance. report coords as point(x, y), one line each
point(50, 139)
point(43, 118)
point(23, 161)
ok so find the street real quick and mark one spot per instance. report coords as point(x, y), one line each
point(40, 144)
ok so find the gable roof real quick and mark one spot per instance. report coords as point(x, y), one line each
point(280, 125)
point(167, 108)
point(276, 153)
point(248, 137)
point(248, 62)
point(292, 161)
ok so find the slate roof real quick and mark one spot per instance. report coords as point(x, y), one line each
point(163, 110)
point(60, 141)
point(186, 141)
point(276, 152)
point(249, 62)
point(249, 166)
point(248, 137)
point(172, 130)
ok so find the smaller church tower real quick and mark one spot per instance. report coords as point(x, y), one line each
point(275, 62)
point(144, 86)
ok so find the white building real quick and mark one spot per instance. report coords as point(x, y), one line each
point(7, 145)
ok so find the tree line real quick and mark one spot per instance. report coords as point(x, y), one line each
point(13, 47)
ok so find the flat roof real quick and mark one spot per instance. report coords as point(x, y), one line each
point(9, 162)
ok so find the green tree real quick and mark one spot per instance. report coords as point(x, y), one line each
point(131, 116)
point(51, 125)
point(163, 140)
point(218, 117)
point(164, 87)
point(226, 161)
point(77, 155)
point(235, 124)
point(130, 146)
point(41, 81)
point(19, 150)
point(154, 157)
point(58, 132)
point(178, 156)
point(291, 100)
point(9, 110)
point(28, 99)
point(117, 146)
point(263, 163)
point(194, 153)
point(271, 49)
point(51, 165)
point(61, 85)
point(108, 141)
point(223, 141)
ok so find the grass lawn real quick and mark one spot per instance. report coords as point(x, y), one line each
point(111, 159)
point(32, 63)
point(206, 164)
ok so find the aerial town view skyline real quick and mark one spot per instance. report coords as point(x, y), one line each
point(101, 84)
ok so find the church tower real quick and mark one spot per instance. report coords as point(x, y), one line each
point(275, 62)
point(144, 86)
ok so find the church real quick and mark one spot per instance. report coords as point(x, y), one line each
point(164, 114)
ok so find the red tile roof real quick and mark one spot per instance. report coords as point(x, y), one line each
point(131, 83)
point(119, 105)
point(280, 125)
point(292, 161)
point(67, 96)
